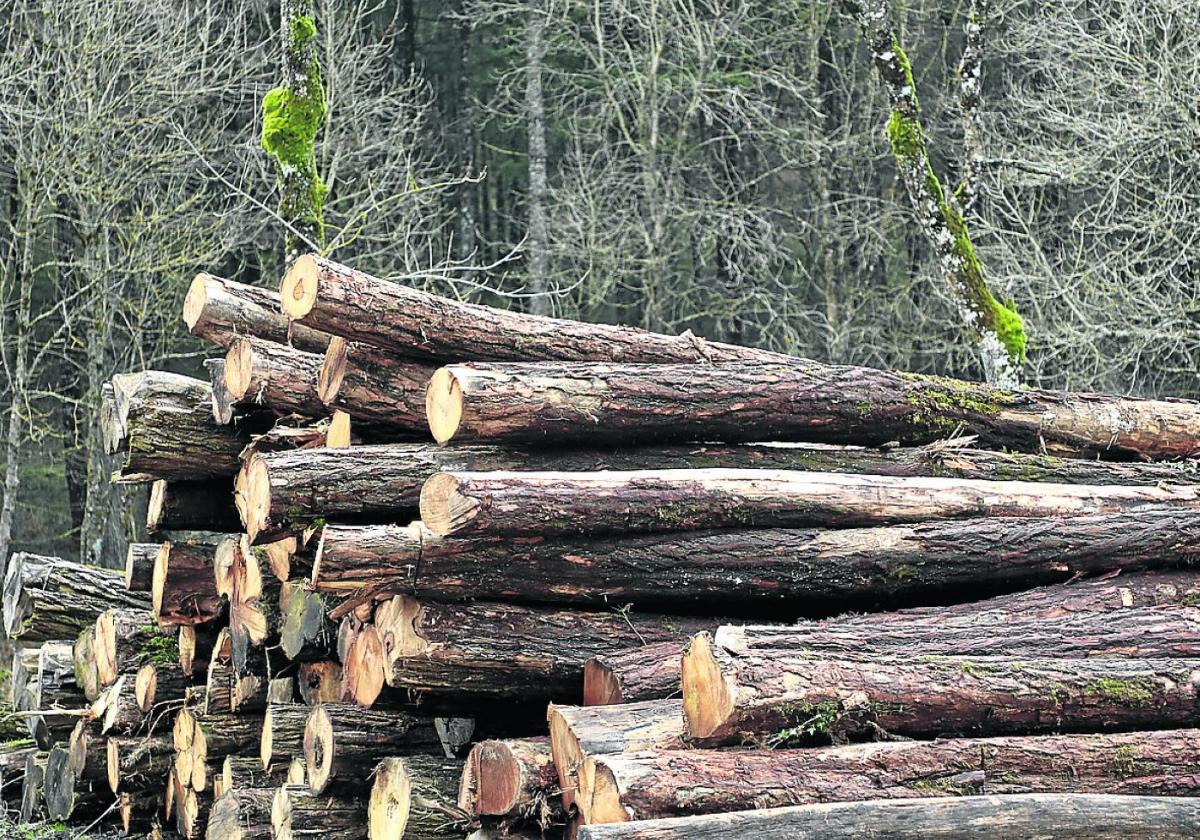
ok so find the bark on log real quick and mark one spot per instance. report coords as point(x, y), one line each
point(515, 779)
point(183, 591)
point(344, 741)
point(127, 638)
point(158, 684)
point(88, 756)
point(169, 431)
point(798, 400)
point(1169, 631)
point(648, 672)
point(195, 649)
point(324, 295)
point(139, 563)
point(219, 311)
point(12, 772)
point(121, 714)
point(577, 732)
point(46, 598)
point(668, 783)
point(191, 813)
point(1052, 816)
point(776, 697)
point(33, 803)
point(502, 650)
point(498, 503)
point(61, 789)
point(212, 737)
point(282, 378)
point(415, 798)
point(241, 814)
point(139, 762)
point(282, 735)
point(192, 506)
point(296, 814)
point(240, 772)
point(813, 570)
point(284, 491)
point(50, 689)
point(374, 386)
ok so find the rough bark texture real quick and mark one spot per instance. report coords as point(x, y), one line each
point(241, 814)
point(192, 506)
point(167, 429)
point(373, 385)
point(184, 591)
point(138, 763)
point(139, 565)
point(46, 598)
point(297, 814)
point(647, 672)
point(282, 735)
point(776, 698)
point(669, 783)
point(798, 400)
point(515, 779)
point(1048, 816)
point(344, 741)
point(501, 650)
point(220, 311)
point(321, 294)
point(1167, 631)
point(279, 377)
point(125, 639)
point(415, 798)
point(33, 804)
point(814, 570)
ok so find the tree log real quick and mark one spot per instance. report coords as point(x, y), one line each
point(192, 506)
point(515, 779)
point(305, 632)
point(1162, 632)
point(220, 311)
point(344, 741)
point(372, 385)
point(811, 570)
point(297, 814)
point(12, 771)
point(1048, 816)
point(192, 811)
point(195, 649)
point(579, 731)
point(183, 591)
point(415, 798)
point(33, 803)
point(499, 503)
point(775, 698)
point(46, 598)
point(83, 653)
point(647, 672)
point(320, 682)
point(282, 735)
point(139, 563)
point(212, 737)
point(125, 639)
point(50, 689)
point(240, 772)
point(263, 373)
point(798, 400)
point(501, 650)
point(669, 783)
point(158, 684)
point(241, 814)
point(168, 431)
point(138, 763)
point(66, 795)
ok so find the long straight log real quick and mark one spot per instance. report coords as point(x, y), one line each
point(220, 311)
point(324, 295)
point(414, 798)
point(797, 400)
point(813, 570)
point(344, 741)
point(1048, 816)
point(167, 429)
point(263, 373)
point(297, 814)
point(647, 672)
point(192, 506)
point(514, 779)
point(669, 783)
point(501, 650)
point(46, 598)
point(776, 697)
point(373, 385)
point(497, 503)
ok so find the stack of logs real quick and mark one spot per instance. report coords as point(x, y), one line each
point(638, 586)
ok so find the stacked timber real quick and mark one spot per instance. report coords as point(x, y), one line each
point(421, 568)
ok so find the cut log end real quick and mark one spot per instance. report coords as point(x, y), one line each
point(105, 647)
point(443, 404)
point(266, 743)
point(158, 580)
point(145, 686)
point(187, 649)
point(256, 499)
point(318, 748)
point(494, 784)
point(154, 511)
point(443, 507)
point(112, 753)
point(239, 365)
point(600, 795)
point(333, 370)
point(707, 698)
point(298, 291)
point(388, 806)
point(195, 300)
point(600, 685)
point(365, 668)
point(338, 436)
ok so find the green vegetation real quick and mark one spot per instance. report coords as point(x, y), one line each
point(160, 648)
point(1129, 692)
point(813, 720)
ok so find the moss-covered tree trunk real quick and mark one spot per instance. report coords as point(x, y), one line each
point(292, 115)
point(999, 329)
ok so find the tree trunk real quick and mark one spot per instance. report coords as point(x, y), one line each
point(513, 779)
point(324, 295)
point(46, 598)
point(344, 741)
point(281, 378)
point(65, 796)
point(221, 311)
point(282, 735)
point(799, 400)
point(241, 814)
point(297, 813)
point(1049, 816)
point(538, 236)
point(779, 697)
point(500, 650)
point(471, 503)
point(192, 506)
point(211, 737)
point(139, 762)
point(577, 732)
point(159, 683)
point(669, 783)
point(373, 386)
point(811, 570)
point(648, 672)
point(183, 590)
point(415, 798)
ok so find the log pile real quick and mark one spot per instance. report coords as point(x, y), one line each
point(419, 568)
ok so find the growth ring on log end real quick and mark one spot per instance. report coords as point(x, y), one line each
point(196, 298)
point(388, 807)
point(443, 507)
point(298, 292)
point(443, 404)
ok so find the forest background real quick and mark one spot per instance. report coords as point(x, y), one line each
point(718, 166)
